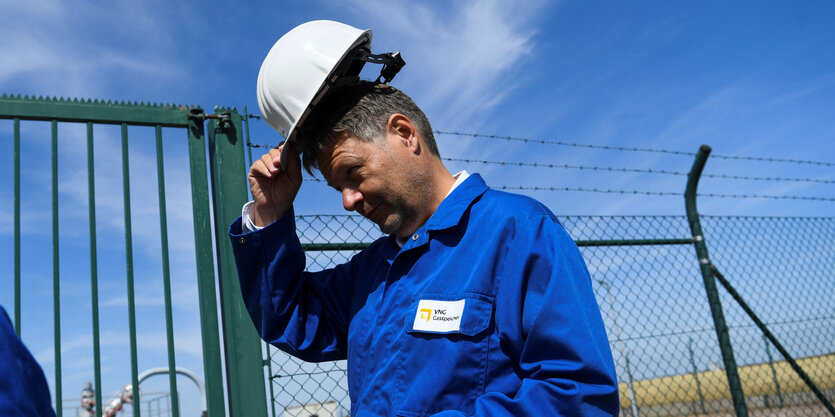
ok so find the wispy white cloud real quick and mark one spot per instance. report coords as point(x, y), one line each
point(52, 55)
point(139, 300)
point(186, 340)
point(184, 295)
point(459, 55)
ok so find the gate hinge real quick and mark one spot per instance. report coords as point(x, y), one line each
point(199, 115)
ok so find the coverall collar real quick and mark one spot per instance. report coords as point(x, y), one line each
point(452, 208)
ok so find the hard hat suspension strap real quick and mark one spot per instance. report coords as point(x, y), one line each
point(392, 62)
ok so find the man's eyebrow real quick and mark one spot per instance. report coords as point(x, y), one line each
point(330, 184)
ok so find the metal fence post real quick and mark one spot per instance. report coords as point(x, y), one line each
point(734, 383)
point(244, 368)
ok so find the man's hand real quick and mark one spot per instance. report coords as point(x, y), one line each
point(273, 189)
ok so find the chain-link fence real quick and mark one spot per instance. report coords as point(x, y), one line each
point(783, 268)
point(651, 294)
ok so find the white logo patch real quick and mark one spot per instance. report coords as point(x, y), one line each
point(439, 316)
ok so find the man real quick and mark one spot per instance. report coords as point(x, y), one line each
point(477, 303)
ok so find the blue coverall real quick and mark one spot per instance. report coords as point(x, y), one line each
point(23, 388)
point(527, 339)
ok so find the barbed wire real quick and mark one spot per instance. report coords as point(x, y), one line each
point(636, 170)
point(259, 145)
point(582, 189)
point(630, 149)
point(662, 193)
point(561, 143)
point(775, 179)
point(764, 159)
point(618, 169)
point(769, 196)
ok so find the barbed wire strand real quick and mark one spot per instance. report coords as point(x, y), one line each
point(630, 149)
point(259, 145)
point(636, 170)
point(766, 159)
point(561, 143)
point(662, 193)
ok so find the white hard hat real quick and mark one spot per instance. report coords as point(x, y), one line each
point(305, 63)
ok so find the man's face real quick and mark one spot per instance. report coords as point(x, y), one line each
point(377, 180)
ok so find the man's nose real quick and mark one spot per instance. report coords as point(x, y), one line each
point(351, 199)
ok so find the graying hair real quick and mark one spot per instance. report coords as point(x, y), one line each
point(360, 110)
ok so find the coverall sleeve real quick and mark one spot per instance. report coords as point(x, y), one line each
point(23, 388)
point(304, 314)
point(550, 322)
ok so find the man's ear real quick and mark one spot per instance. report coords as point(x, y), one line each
point(401, 129)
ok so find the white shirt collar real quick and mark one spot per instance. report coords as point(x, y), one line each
point(460, 176)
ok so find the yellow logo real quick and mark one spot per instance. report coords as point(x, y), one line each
point(426, 313)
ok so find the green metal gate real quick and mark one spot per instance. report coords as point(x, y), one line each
point(244, 375)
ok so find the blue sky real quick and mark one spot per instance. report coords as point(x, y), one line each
point(749, 78)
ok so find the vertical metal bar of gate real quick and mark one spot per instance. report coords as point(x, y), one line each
point(166, 275)
point(205, 264)
point(94, 280)
point(56, 291)
point(134, 368)
point(17, 225)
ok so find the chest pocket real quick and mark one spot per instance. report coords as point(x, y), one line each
point(444, 353)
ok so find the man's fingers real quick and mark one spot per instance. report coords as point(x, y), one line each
point(264, 167)
point(269, 164)
point(267, 160)
point(258, 169)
